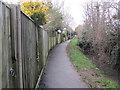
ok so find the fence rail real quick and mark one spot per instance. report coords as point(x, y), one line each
point(24, 47)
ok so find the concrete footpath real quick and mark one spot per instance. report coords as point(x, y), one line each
point(59, 72)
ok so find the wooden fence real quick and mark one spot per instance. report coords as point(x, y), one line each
point(24, 47)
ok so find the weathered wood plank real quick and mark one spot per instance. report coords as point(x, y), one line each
point(8, 39)
point(40, 46)
point(6, 45)
point(4, 51)
point(19, 33)
point(14, 42)
point(24, 48)
point(1, 32)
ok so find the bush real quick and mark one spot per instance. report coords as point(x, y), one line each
point(84, 45)
point(39, 18)
point(37, 10)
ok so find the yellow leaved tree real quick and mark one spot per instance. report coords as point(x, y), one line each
point(37, 10)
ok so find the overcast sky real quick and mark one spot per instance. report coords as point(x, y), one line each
point(75, 9)
point(72, 7)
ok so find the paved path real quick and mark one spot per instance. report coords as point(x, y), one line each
point(59, 72)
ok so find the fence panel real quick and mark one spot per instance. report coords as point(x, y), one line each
point(29, 46)
point(24, 47)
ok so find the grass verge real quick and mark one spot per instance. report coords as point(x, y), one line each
point(89, 72)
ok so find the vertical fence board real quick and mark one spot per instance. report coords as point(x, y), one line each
point(1, 32)
point(4, 50)
point(14, 45)
point(9, 61)
point(6, 46)
point(19, 45)
point(24, 41)
point(40, 46)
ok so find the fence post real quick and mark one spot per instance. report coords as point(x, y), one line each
point(1, 24)
point(19, 46)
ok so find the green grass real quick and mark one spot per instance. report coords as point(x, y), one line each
point(77, 57)
point(80, 61)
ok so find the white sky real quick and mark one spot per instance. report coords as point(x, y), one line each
point(75, 9)
point(72, 7)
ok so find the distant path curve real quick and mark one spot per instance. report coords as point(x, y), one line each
point(59, 72)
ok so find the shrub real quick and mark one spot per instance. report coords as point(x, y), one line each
point(37, 10)
point(84, 45)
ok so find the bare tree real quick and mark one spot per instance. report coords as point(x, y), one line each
point(102, 29)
